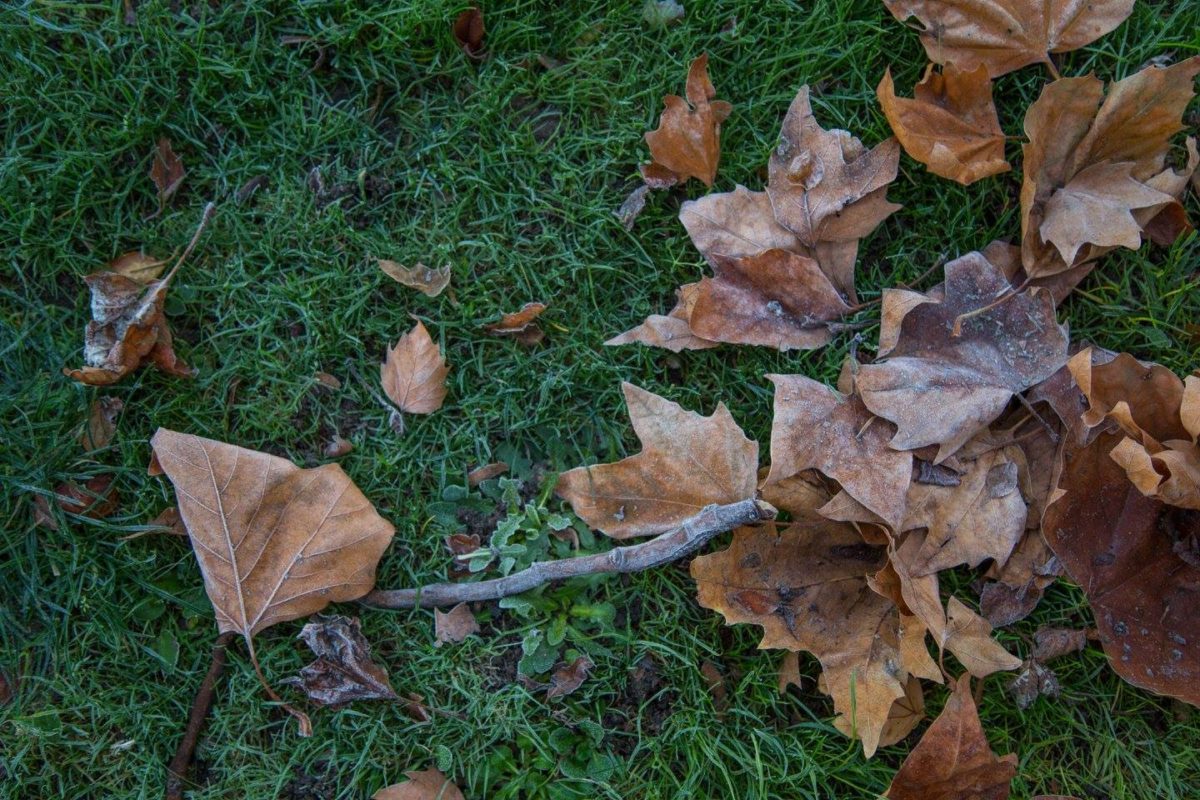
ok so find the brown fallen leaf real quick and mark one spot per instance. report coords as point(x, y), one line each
point(328, 381)
point(1032, 681)
point(170, 521)
point(969, 637)
point(950, 125)
point(789, 671)
point(566, 678)
point(1095, 165)
point(414, 705)
point(102, 423)
point(343, 671)
point(672, 331)
point(1052, 643)
point(825, 185)
point(953, 760)
point(414, 373)
point(906, 714)
point(468, 32)
point(167, 172)
point(274, 542)
point(96, 498)
point(520, 325)
point(428, 281)
point(632, 206)
point(337, 447)
point(942, 389)
point(687, 141)
point(1004, 35)
point(486, 473)
point(687, 462)
point(453, 626)
point(138, 266)
point(429, 784)
point(1019, 584)
point(816, 427)
point(776, 299)
point(715, 682)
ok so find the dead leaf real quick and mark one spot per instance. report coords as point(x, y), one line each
point(661, 13)
point(687, 141)
point(969, 637)
point(1034, 680)
point(429, 784)
point(102, 423)
point(274, 542)
point(486, 473)
point(414, 373)
point(167, 172)
point(776, 299)
point(825, 185)
point(468, 32)
point(941, 389)
point(631, 207)
point(170, 521)
point(453, 626)
point(950, 125)
point(428, 281)
point(688, 461)
point(953, 760)
point(520, 325)
point(1052, 643)
point(568, 677)
point(1019, 584)
point(716, 686)
point(1004, 35)
point(816, 427)
point(247, 189)
point(337, 447)
point(789, 672)
point(97, 498)
point(414, 706)
point(138, 266)
point(906, 714)
point(7, 690)
point(672, 331)
point(328, 381)
point(343, 672)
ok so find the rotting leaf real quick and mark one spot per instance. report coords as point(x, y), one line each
point(97, 498)
point(274, 542)
point(414, 373)
point(468, 32)
point(429, 784)
point(715, 682)
point(950, 125)
point(566, 678)
point(167, 172)
point(688, 461)
point(337, 446)
point(1004, 35)
point(102, 423)
point(343, 671)
point(953, 760)
point(520, 325)
point(632, 206)
point(687, 141)
point(427, 280)
point(453, 626)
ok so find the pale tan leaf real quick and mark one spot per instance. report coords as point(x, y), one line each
point(414, 374)
point(427, 280)
point(429, 784)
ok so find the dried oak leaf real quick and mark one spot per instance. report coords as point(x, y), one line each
point(776, 299)
point(428, 784)
point(687, 141)
point(343, 671)
point(1004, 35)
point(806, 587)
point(1135, 558)
point(950, 125)
point(906, 714)
point(453, 626)
point(274, 542)
point(427, 280)
point(969, 637)
point(1095, 165)
point(953, 760)
point(414, 373)
point(566, 678)
point(825, 185)
point(468, 32)
point(520, 325)
point(102, 423)
point(941, 389)
point(688, 461)
point(167, 172)
point(671, 331)
point(816, 427)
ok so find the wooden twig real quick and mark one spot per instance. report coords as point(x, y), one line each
point(177, 770)
point(675, 544)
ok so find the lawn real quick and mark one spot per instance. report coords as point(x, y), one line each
point(509, 172)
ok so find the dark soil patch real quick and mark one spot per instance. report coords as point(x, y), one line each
point(645, 705)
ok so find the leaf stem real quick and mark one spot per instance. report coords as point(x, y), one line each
point(178, 769)
point(210, 211)
point(1004, 298)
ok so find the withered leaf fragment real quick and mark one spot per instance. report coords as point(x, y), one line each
point(969, 637)
point(414, 374)
point(138, 266)
point(343, 671)
point(468, 32)
point(427, 280)
point(942, 389)
point(102, 423)
point(950, 125)
point(776, 299)
point(672, 331)
point(167, 172)
point(520, 325)
point(97, 498)
point(687, 141)
point(453, 626)
point(566, 678)
point(825, 185)
point(688, 461)
point(274, 542)
point(428, 784)
point(953, 760)
point(1004, 35)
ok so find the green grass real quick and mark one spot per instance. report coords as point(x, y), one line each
point(455, 165)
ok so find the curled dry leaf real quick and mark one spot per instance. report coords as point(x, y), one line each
point(566, 678)
point(486, 473)
point(688, 461)
point(520, 325)
point(825, 185)
point(96, 498)
point(167, 172)
point(468, 32)
point(1032, 681)
point(1019, 584)
point(950, 125)
point(274, 542)
point(687, 141)
point(102, 423)
point(337, 446)
point(631, 208)
point(1052, 643)
point(941, 389)
point(170, 521)
point(672, 331)
point(343, 671)
point(1095, 165)
point(429, 784)
point(1004, 35)
point(414, 374)
point(453, 626)
point(953, 760)
point(427, 280)
point(138, 266)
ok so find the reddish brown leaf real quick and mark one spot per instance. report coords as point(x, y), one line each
point(167, 172)
point(97, 498)
point(428, 281)
point(337, 447)
point(343, 671)
point(520, 325)
point(429, 784)
point(102, 423)
point(170, 521)
point(414, 374)
point(1052, 643)
point(716, 686)
point(138, 266)
point(568, 677)
point(486, 473)
point(468, 32)
point(687, 141)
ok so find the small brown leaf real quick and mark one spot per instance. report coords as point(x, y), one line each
point(343, 672)
point(138, 267)
point(953, 760)
point(716, 686)
point(1052, 643)
point(430, 282)
point(414, 706)
point(414, 374)
point(520, 325)
point(568, 677)
point(170, 521)
point(672, 332)
point(486, 473)
point(969, 638)
point(950, 125)
point(429, 784)
point(1034, 680)
point(96, 499)
point(337, 447)
point(167, 172)
point(468, 32)
point(687, 141)
point(328, 381)
point(102, 423)
point(789, 671)
point(632, 206)
point(453, 626)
